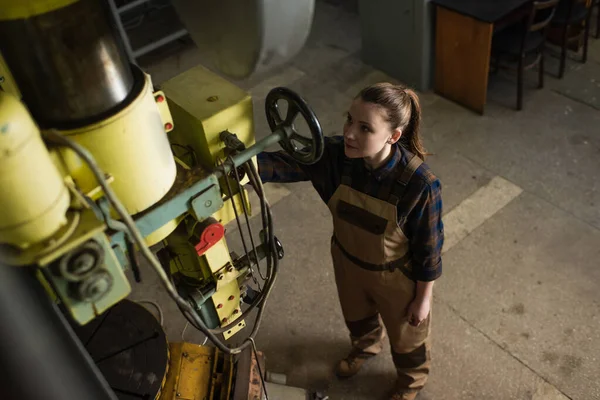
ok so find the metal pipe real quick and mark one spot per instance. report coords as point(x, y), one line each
point(40, 355)
point(259, 147)
point(130, 6)
point(155, 45)
point(69, 64)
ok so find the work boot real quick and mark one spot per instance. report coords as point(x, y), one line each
point(404, 396)
point(350, 365)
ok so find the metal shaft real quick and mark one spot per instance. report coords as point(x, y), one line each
point(69, 63)
point(259, 147)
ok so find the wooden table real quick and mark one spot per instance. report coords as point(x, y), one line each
point(464, 30)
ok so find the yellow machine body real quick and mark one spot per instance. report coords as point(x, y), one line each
point(33, 198)
point(198, 372)
point(132, 147)
point(16, 9)
point(204, 105)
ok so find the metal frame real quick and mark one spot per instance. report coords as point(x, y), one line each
point(135, 53)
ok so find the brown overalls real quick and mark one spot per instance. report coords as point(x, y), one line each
point(372, 266)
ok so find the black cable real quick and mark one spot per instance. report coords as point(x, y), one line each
point(133, 259)
point(272, 261)
point(237, 218)
point(240, 190)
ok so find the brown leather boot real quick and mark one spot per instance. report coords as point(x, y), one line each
point(350, 365)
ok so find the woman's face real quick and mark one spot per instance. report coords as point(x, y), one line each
point(366, 131)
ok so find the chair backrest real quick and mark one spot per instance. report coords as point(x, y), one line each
point(569, 6)
point(542, 13)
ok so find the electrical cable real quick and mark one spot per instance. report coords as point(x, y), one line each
point(240, 191)
point(160, 312)
point(237, 219)
point(272, 262)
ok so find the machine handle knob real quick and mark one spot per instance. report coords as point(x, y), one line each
point(310, 149)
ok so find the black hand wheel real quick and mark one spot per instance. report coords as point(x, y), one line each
point(311, 149)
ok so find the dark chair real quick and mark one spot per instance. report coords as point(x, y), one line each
point(572, 14)
point(525, 39)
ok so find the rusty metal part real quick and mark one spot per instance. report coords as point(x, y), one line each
point(248, 384)
point(69, 63)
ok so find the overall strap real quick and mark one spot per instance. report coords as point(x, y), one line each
point(347, 172)
point(403, 178)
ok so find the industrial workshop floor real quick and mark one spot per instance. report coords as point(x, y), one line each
point(517, 310)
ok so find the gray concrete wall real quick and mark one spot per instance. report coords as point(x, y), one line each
point(397, 38)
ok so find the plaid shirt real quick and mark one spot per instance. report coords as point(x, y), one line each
point(419, 211)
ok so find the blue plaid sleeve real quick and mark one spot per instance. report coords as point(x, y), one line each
point(280, 167)
point(425, 231)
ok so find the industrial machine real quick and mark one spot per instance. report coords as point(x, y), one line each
point(100, 169)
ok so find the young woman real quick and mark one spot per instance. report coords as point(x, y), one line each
point(388, 233)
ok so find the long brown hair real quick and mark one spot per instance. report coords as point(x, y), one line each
point(403, 112)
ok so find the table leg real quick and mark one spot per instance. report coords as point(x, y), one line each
point(463, 47)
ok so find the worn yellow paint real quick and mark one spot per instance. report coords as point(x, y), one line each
point(164, 231)
point(131, 146)
point(34, 198)
point(18, 9)
point(189, 377)
point(203, 105)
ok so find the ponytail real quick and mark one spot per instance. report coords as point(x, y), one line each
point(411, 136)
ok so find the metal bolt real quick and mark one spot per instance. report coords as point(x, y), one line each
point(232, 297)
point(236, 311)
point(230, 268)
point(1, 79)
point(220, 306)
point(178, 394)
point(168, 126)
point(160, 98)
point(212, 99)
point(208, 203)
point(185, 354)
point(224, 320)
point(220, 277)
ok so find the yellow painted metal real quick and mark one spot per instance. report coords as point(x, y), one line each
point(162, 232)
point(203, 105)
point(33, 196)
point(132, 146)
point(222, 378)
point(16, 9)
point(189, 377)
point(217, 257)
point(227, 304)
point(7, 82)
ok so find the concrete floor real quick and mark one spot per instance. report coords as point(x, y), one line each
point(517, 310)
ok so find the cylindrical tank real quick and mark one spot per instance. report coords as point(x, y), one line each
point(131, 146)
point(33, 196)
point(68, 62)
